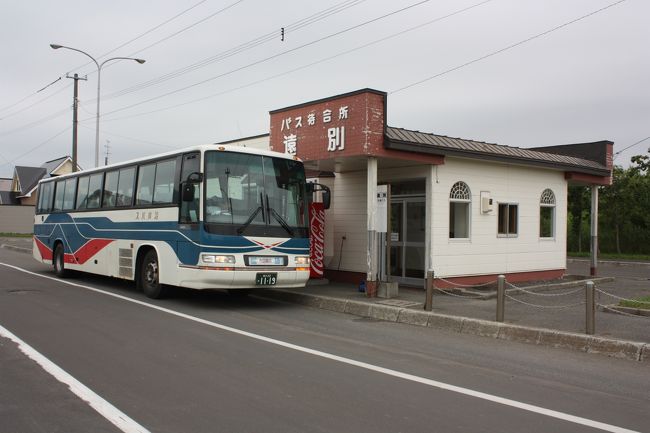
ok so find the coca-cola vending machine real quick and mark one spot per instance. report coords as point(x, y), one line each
point(317, 239)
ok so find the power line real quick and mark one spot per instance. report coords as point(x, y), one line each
point(133, 139)
point(268, 58)
point(37, 146)
point(323, 60)
point(617, 154)
point(36, 122)
point(103, 55)
point(494, 53)
point(37, 102)
point(154, 28)
point(238, 49)
point(26, 98)
point(187, 27)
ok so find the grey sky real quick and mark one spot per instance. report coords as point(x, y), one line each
point(587, 81)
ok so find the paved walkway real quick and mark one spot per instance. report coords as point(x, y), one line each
point(552, 316)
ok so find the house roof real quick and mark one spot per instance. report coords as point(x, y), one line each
point(28, 178)
point(416, 141)
point(52, 165)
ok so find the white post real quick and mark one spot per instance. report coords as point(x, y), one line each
point(372, 252)
point(594, 230)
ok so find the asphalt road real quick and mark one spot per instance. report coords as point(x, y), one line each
point(208, 362)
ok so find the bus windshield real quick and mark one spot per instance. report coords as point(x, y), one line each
point(254, 194)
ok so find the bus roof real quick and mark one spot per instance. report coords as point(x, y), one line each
point(198, 148)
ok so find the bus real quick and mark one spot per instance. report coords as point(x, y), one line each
point(205, 217)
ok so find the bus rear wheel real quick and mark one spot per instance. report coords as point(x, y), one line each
point(149, 276)
point(58, 261)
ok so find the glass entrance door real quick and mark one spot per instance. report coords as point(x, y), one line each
point(407, 235)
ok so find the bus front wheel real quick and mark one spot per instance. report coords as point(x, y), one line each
point(149, 276)
point(58, 261)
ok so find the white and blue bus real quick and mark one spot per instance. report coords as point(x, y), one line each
point(205, 217)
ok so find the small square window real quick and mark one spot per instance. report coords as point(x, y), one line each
point(508, 219)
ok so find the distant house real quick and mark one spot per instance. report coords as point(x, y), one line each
point(6, 196)
point(22, 190)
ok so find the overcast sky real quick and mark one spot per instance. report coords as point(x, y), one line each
point(585, 81)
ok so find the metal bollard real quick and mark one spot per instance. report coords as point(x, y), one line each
point(501, 297)
point(590, 293)
point(428, 282)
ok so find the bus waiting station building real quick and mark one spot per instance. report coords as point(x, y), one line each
point(406, 202)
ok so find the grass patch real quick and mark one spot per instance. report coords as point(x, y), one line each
point(642, 302)
point(614, 256)
point(16, 235)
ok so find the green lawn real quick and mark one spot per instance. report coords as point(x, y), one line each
point(613, 256)
point(642, 302)
point(16, 235)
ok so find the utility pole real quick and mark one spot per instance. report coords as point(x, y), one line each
point(75, 106)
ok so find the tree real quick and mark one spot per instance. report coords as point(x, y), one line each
point(624, 210)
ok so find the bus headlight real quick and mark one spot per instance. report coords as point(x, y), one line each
point(218, 259)
point(302, 263)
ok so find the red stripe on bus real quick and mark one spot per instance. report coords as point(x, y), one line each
point(46, 253)
point(88, 250)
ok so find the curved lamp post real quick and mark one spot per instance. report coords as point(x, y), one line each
point(99, 71)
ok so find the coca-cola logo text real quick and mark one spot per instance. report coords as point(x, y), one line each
point(317, 239)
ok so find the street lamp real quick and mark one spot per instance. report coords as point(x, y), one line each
point(99, 71)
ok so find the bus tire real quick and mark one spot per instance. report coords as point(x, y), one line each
point(150, 276)
point(58, 261)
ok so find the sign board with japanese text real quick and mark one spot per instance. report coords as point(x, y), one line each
point(344, 125)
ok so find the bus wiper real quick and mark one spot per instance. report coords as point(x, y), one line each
point(278, 217)
point(250, 219)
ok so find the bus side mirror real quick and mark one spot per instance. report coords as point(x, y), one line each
point(327, 195)
point(194, 177)
point(188, 192)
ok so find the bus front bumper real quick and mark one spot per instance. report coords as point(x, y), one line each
point(214, 278)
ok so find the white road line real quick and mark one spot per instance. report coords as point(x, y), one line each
point(387, 371)
point(107, 410)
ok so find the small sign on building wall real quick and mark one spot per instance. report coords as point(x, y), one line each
point(382, 209)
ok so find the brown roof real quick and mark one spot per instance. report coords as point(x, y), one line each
point(416, 141)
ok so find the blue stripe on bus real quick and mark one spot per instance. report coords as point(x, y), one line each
point(75, 233)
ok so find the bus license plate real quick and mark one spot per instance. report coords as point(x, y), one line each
point(266, 278)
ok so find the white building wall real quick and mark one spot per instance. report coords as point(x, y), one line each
point(348, 217)
point(485, 252)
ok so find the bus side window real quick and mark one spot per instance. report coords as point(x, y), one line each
point(95, 191)
point(144, 191)
point(45, 198)
point(189, 212)
point(58, 195)
point(82, 192)
point(70, 193)
point(110, 189)
point(164, 185)
point(125, 187)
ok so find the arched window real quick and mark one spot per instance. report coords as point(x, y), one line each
point(547, 214)
point(460, 199)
